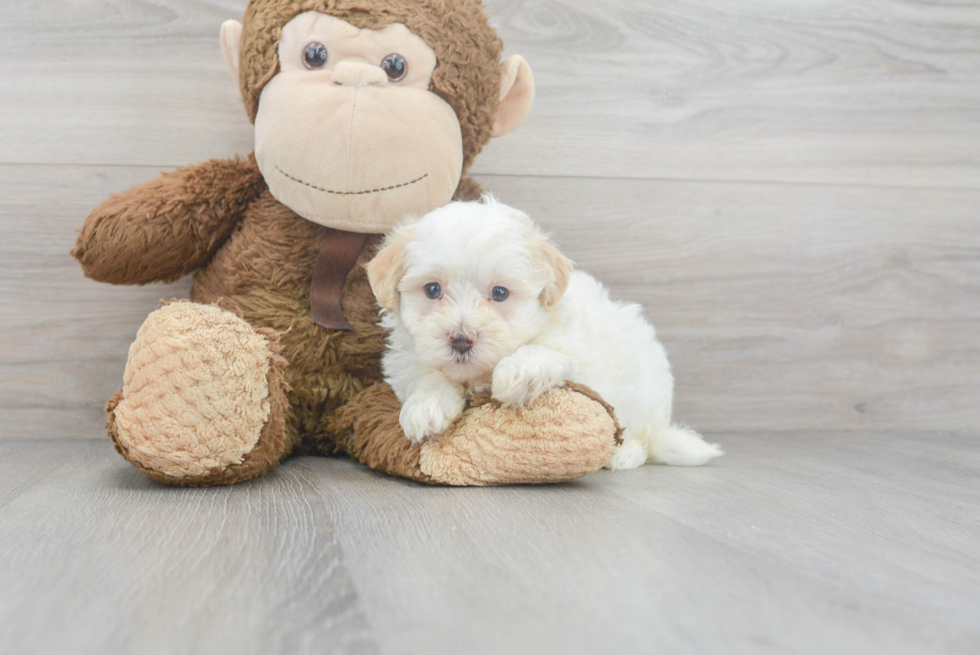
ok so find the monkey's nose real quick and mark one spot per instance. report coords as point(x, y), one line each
point(352, 73)
point(460, 343)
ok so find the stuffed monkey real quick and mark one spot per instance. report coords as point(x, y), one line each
point(364, 111)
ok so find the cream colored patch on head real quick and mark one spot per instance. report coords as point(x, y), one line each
point(196, 392)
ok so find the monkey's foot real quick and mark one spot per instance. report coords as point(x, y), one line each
point(203, 400)
point(562, 435)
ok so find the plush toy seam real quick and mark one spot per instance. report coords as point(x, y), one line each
point(352, 193)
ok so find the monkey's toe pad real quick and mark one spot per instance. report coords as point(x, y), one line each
point(196, 392)
point(562, 435)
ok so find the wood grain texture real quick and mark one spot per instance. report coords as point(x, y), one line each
point(882, 92)
point(792, 190)
point(98, 559)
point(789, 307)
point(818, 543)
point(63, 338)
point(783, 307)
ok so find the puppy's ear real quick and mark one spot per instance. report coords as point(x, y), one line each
point(556, 266)
point(385, 271)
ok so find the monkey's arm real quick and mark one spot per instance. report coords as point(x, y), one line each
point(168, 227)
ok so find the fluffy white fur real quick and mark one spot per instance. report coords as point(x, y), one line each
point(554, 325)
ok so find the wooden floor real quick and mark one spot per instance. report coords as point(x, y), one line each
point(821, 543)
point(791, 189)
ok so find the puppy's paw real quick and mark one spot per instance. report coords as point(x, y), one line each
point(527, 374)
point(629, 455)
point(427, 415)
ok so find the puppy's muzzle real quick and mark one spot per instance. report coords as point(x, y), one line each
point(460, 343)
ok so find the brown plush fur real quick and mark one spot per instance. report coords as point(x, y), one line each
point(168, 227)
point(488, 445)
point(372, 434)
point(263, 273)
point(255, 257)
point(467, 48)
point(468, 189)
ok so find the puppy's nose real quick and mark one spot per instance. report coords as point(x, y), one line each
point(460, 342)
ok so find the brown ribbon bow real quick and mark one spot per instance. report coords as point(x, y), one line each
point(338, 254)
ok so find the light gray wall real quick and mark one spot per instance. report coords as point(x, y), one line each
point(791, 189)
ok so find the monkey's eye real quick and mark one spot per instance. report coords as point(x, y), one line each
point(499, 294)
point(394, 66)
point(433, 291)
point(315, 56)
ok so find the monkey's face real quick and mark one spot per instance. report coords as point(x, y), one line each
point(347, 133)
point(350, 132)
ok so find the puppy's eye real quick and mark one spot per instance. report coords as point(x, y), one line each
point(394, 66)
point(499, 294)
point(433, 291)
point(315, 56)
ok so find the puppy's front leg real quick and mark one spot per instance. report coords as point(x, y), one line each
point(528, 373)
point(433, 404)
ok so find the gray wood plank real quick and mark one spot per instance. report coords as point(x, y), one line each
point(64, 338)
point(95, 558)
point(883, 92)
point(792, 543)
point(802, 543)
point(789, 307)
point(783, 307)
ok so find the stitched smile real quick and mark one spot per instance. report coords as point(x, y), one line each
point(352, 193)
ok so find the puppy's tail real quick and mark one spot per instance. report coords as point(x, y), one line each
point(679, 446)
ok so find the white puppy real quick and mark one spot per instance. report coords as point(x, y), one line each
point(476, 296)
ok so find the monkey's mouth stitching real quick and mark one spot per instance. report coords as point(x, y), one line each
point(352, 193)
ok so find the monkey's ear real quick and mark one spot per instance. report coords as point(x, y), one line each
point(231, 44)
point(557, 267)
point(385, 271)
point(516, 95)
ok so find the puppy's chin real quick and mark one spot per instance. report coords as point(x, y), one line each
point(464, 369)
